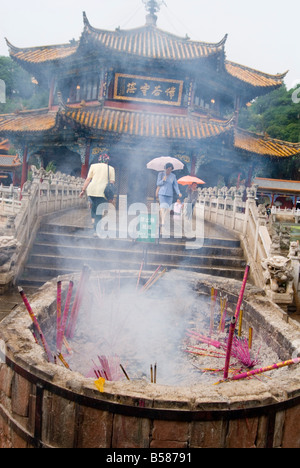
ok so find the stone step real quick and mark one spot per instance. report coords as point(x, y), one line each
point(60, 250)
point(69, 245)
point(80, 236)
point(38, 275)
point(96, 258)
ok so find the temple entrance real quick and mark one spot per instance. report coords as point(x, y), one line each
point(59, 159)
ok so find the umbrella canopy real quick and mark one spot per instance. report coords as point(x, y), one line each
point(189, 180)
point(158, 164)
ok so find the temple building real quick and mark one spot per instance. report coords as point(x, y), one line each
point(138, 94)
point(9, 165)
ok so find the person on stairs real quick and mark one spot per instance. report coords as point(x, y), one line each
point(98, 177)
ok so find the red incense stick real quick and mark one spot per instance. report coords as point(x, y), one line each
point(64, 319)
point(234, 321)
point(58, 311)
point(37, 326)
point(77, 301)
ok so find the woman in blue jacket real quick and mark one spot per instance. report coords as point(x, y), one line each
point(167, 182)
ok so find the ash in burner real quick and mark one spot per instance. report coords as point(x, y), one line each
point(136, 328)
point(135, 332)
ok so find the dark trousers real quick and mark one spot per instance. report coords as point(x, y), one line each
point(95, 202)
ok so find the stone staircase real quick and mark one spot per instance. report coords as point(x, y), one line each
point(64, 249)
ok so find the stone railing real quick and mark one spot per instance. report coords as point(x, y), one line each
point(45, 194)
point(273, 269)
point(286, 215)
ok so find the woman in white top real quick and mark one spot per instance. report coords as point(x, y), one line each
point(95, 184)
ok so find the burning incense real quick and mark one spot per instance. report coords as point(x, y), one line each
point(37, 326)
point(223, 307)
point(151, 277)
point(64, 319)
point(60, 356)
point(224, 316)
point(205, 339)
point(241, 351)
point(214, 294)
point(229, 346)
point(155, 372)
point(156, 279)
point(279, 365)
point(151, 373)
point(139, 277)
point(233, 322)
point(124, 372)
point(58, 311)
point(240, 322)
point(77, 301)
point(250, 337)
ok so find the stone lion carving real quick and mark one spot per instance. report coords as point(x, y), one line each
point(278, 274)
point(294, 249)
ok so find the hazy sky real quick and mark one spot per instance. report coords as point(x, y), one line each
point(262, 34)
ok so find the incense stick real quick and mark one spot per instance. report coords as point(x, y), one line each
point(36, 323)
point(212, 309)
point(250, 337)
point(279, 365)
point(64, 319)
point(240, 323)
point(151, 277)
point(85, 273)
point(156, 279)
point(233, 322)
point(139, 277)
point(58, 311)
point(62, 359)
point(124, 371)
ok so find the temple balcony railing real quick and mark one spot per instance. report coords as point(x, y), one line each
point(235, 209)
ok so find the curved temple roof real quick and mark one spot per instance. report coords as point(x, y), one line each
point(150, 42)
point(40, 120)
point(145, 124)
point(253, 143)
point(40, 55)
point(146, 42)
point(253, 77)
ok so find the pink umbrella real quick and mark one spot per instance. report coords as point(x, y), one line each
point(189, 180)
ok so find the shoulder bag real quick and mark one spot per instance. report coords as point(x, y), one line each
point(109, 191)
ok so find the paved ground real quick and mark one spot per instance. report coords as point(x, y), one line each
point(81, 218)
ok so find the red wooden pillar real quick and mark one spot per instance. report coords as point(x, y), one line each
point(85, 166)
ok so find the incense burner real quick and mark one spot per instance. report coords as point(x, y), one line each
point(43, 404)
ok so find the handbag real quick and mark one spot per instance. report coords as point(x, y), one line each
point(109, 191)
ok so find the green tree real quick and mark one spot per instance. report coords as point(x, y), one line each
point(276, 115)
point(21, 92)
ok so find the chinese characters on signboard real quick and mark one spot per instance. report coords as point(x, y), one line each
point(147, 89)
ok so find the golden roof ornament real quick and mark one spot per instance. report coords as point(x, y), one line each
point(152, 6)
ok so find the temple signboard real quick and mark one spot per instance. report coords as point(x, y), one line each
point(148, 89)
